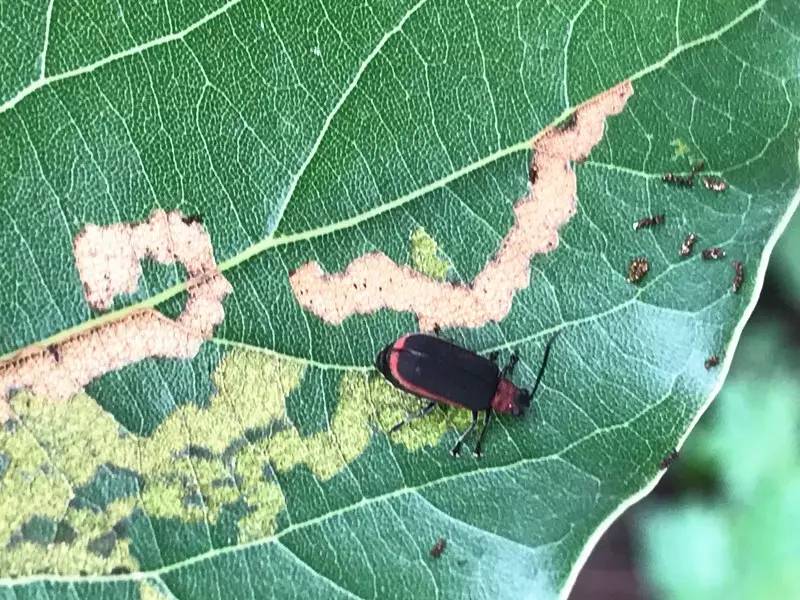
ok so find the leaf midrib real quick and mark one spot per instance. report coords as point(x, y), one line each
point(272, 241)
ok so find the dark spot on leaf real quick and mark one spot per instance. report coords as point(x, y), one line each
point(121, 527)
point(65, 533)
point(222, 482)
point(120, 570)
point(193, 451)
point(38, 530)
point(5, 461)
point(103, 545)
point(268, 473)
point(109, 483)
point(193, 498)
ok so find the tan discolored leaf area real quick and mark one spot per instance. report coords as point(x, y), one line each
point(108, 260)
point(374, 281)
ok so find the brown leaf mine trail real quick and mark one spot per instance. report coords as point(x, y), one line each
point(108, 261)
point(373, 281)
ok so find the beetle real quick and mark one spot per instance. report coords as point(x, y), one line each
point(443, 373)
point(688, 244)
point(638, 269)
point(714, 253)
point(438, 547)
point(738, 278)
point(649, 222)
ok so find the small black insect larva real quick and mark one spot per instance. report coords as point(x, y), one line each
point(738, 278)
point(533, 173)
point(189, 219)
point(711, 361)
point(432, 368)
point(688, 244)
point(714, 253)
point(648, 222)
point(715, 184)
point(638, 269)
point(438, 547)
point(669, 458)
point(682, 180)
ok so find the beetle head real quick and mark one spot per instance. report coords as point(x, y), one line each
point(510, 399)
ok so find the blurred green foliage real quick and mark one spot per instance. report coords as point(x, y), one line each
point(736, 532)
point(784, 262)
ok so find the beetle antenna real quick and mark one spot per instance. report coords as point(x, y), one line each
point(544, 364)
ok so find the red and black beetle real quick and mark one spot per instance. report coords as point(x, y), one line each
point(443, 373)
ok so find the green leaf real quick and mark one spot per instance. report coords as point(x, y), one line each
point(259, 464)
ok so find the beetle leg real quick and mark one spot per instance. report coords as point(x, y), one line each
point(411, 416)
point(487, 418)
point(508, 370)
point(456, 450)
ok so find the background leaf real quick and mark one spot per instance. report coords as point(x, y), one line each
point(741, 540)
point(785, 265)
point(321, 132)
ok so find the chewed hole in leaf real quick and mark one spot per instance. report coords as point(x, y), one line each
point(373, 281)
